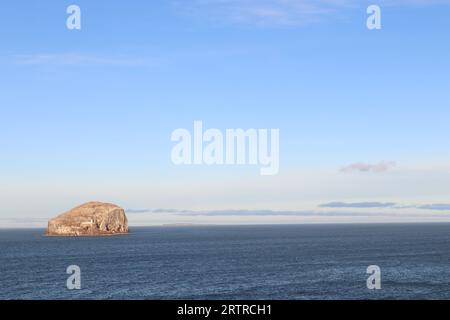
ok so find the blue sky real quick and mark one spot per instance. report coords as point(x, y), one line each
point(87, 115)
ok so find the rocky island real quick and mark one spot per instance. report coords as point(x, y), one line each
point(90, 219)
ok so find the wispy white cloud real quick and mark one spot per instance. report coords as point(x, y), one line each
point(282, 12)
point(368, 167)
point(77, 59)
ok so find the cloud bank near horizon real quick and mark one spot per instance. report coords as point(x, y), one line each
point(359, 205)
point(345, 213)
point(383, 205)
point(331, 205)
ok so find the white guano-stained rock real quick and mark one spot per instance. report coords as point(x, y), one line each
point(90, 219)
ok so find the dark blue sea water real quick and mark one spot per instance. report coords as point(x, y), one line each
point(233, 262)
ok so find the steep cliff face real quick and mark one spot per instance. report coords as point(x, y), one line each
point(90, 219)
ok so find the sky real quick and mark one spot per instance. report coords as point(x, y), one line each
point(362, 114)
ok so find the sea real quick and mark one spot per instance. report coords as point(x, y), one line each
point(295, 262)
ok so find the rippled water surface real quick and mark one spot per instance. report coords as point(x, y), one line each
point(233, 262)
